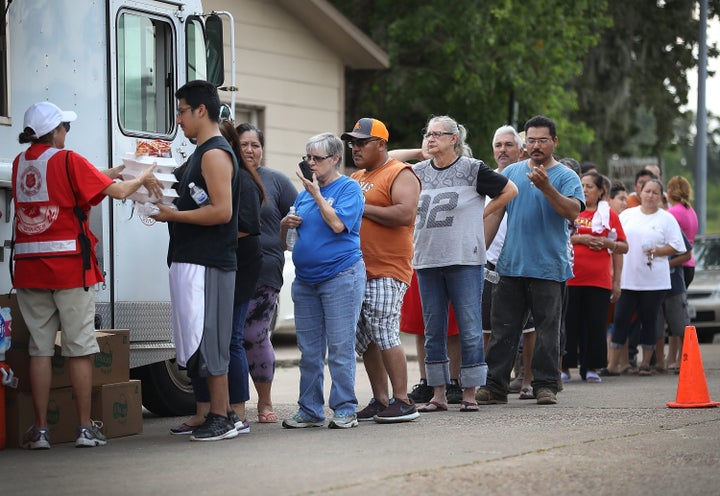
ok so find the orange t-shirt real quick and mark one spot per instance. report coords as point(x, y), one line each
point(387, 250)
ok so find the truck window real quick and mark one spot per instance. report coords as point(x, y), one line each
point(4, 77)
point(145, 74)
point(195, 42)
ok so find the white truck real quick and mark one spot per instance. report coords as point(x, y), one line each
point(117, 64)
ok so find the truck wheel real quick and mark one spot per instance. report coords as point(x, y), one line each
point(166, 390)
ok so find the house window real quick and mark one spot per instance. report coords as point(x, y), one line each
point(145, 74)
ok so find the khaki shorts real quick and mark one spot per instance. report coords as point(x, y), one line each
point(46, 311)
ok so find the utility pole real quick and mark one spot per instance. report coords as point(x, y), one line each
point(701, 138)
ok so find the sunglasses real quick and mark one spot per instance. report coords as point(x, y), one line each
point(66, 125)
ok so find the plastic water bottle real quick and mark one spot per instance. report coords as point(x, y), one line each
point(199, 195)
point(612, 236)
point(491, 276)
point(292, 235)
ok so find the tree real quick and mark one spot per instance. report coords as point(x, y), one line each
point(638, 69)
point(484, 63)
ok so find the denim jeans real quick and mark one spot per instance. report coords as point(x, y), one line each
point(238, 383)
point(326, 316)
point(647, 304)
point(462, 285)
point(512, 298)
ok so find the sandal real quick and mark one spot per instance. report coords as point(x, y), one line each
point(267, 417)
point(527, 393)
point(644, 371)
point(183, 429)
point(432, 406)
point(592, 376)
point(468, 406)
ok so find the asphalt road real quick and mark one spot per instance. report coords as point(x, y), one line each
point(613, 438)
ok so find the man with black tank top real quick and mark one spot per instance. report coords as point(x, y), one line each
point(203, 259)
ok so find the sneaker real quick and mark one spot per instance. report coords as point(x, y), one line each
point(88, 437)
point(36, 439)
point(397, 411)
point(299, 421)
point(485, 397)
point(342, 421)
point(453, 392)
point(373, 408)
point(242, 426)
point(545, 397)
point(215, 428)
point(421, 392)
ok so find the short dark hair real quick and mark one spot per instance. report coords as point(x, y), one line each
point(199, 92)
point(644, 173)
point(616, 187)
point(541, 121)
point(246, 126)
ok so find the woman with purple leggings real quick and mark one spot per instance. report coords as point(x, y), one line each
point(279, 197)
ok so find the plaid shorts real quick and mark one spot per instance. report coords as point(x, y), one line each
point(379, 321)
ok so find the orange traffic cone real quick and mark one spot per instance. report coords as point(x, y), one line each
point(692, 389)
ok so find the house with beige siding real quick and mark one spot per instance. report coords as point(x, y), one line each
point(290, 58)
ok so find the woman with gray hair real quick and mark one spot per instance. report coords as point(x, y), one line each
point(450, 254)
point(329, 284)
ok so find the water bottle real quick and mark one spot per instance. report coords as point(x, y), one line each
point(491, 276)
point(612, 236)
point(291, 236)
point(199, 195)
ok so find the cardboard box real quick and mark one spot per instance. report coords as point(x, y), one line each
point(62, 416)
point(119, 407)
point(110, 365)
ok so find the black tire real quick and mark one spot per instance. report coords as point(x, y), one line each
point(166, 390)
point(705, 335)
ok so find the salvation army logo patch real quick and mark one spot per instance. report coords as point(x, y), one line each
point(31, 181)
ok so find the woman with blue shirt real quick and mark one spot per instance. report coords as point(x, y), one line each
point(329, 285)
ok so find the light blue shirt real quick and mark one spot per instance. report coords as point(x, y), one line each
point(536, 243)
point(319, 253)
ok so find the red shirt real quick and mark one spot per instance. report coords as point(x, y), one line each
point(53, 218)
point(594, 268)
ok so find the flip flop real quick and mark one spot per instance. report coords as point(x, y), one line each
point(183, 429)
point(432, 406)
point(468, 406)
point(268, 417)
point(592, 377)
point(526, 393)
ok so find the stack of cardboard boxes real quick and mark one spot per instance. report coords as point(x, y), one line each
point(116, 400)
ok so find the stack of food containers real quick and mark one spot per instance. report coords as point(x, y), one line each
point(146, 154)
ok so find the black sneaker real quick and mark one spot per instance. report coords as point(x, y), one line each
point(397, 411)
point(453, 392)
point(373, 408)
point(215, 428)
point(421, 393)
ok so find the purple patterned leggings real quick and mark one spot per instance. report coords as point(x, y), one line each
point(259, 350)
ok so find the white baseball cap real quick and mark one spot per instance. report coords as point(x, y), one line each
point(43, 117)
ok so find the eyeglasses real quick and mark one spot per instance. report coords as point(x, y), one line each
point(437, 134)
point(66, 125)
point(539, 141)
point(361, 143)
point(182, 110)
point(316, 158)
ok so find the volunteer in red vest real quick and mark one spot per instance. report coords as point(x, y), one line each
point(55, 262)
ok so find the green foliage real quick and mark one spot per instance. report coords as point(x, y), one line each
point(484, 63)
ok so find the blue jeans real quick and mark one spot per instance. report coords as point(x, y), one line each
point(238, 382)
point(462, 285)
point(512, 298)
point(326, 316)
